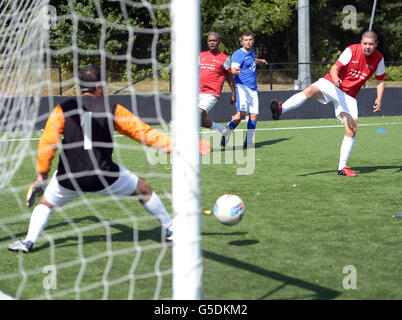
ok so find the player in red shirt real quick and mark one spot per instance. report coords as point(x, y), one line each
point(214, 65)
point(355, 66)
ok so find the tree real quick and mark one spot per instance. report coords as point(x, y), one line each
point(274, 23)
point(387, 24)
point(231, 18)
point(113, 35)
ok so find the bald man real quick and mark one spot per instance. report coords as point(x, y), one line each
point(354, 67)
point(214, 67)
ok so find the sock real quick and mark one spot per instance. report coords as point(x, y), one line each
point(39, 218)
point(217, 127)
point(232, 125)
point(346, 150)
point(155, 207)
point(251, 125)
point(294, 102)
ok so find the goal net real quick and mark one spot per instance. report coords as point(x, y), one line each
point(101, 247)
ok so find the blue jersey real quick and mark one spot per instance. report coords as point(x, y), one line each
point(246, 62)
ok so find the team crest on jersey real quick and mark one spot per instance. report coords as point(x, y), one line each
point(253, 66)
point(370, 66)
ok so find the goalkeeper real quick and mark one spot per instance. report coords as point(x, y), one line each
point(85, 163)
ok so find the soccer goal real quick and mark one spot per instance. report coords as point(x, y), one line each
point(102, 247)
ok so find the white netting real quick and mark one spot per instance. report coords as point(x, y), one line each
point(22, 46)
point(94, 247)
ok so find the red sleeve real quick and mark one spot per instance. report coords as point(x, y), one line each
point(339, 64)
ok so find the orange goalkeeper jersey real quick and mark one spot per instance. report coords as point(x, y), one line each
point(84, 126)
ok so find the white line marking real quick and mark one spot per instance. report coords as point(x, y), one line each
point(258, 129)
point(314, 127)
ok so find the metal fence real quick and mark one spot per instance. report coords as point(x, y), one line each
point(12, 81)
point(274, 76)
point(282, 75)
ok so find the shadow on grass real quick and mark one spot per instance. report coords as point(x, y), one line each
point(241, 243)
point(246, 242)
point(127, 233)
point(257, 145)
point(317, 292)
point(270, 142)
point(237, 233)
point(359, 170)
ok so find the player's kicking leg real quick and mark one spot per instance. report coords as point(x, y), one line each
point(278, 107)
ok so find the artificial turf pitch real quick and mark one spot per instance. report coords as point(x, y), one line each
point(307, 233)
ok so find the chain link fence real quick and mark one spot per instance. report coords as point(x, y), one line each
point(274, 76)
point(149, 69)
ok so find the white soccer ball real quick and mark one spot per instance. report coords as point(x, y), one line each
point(229, 209)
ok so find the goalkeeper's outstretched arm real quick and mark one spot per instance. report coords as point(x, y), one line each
point(129, 125)
point(47, 149)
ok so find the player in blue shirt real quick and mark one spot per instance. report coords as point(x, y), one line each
point(243, 68)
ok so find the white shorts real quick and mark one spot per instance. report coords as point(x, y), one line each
point(246, 99)
point(342, 101)
point(207, 101)
point(58, 196)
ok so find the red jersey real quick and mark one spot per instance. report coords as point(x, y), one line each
point(212, 72)
point(355, 69)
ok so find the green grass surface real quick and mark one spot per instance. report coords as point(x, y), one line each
point(303, 224)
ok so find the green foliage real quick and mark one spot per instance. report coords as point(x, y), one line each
point(165, 75)
point(231, 18)
point(274, 23)
point(318, 71)
point(387, 23)
point(394, 73)
point(110, 38)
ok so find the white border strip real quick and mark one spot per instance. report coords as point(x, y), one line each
point(5, 297)
point(257, 129)
point(313, 127)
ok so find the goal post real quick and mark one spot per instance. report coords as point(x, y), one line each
point(97, 247)
point(186, 251)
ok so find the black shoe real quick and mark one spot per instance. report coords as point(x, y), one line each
point(248, 145)
point(225, 137)
point(169, 235)
point(276, 109)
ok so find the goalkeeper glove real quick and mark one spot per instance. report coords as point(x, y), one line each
point(205, 147)
point(36, 190)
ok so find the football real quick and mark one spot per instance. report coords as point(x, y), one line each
point(229, 209)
